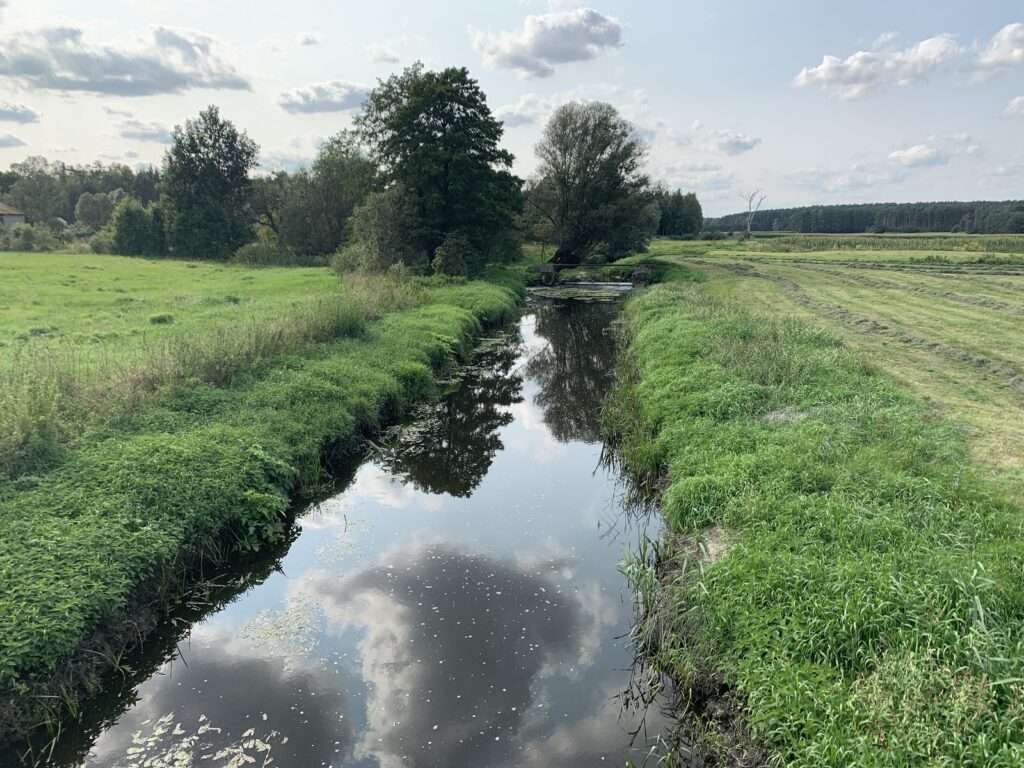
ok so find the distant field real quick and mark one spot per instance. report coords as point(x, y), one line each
point(91, 299)
point(938, 320)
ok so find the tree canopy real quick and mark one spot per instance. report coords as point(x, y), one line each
point(591, 187)
point(434, 134)
point(206, 185)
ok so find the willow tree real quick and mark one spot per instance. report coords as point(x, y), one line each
point(591, 187)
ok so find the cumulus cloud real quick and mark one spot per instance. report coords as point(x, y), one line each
point(697, 176)
point(381, 53)
point(136, 130)
point(530, 109)
point(855, 178)
point(1016, 107)
point(577, 34)
point(918, 156)
point(334, 96)
point(733, 142)
point(1005, 49)
point(867, 71)
point(17, 113)
point(60, 59)
point(884, 40)
point(9, 141)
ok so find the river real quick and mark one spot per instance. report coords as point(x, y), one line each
point(457, 603)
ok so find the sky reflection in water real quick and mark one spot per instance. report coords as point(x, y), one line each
point(458, 604)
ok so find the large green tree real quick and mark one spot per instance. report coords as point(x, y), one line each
point(205, 187)
point(433, 133)
point(591, 187)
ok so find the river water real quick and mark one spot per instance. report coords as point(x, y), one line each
point(458, 603)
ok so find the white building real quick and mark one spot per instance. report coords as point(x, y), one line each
point(10, 216)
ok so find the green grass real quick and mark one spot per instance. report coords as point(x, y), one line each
point(869, 606)
point(201, 468)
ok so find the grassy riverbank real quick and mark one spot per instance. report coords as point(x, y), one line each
point(840, 568)
point(194, 467)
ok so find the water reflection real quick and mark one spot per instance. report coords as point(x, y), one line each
point(453, 646)
point(458, 604)
point(576, 368)
point(451, 444)
point(217, 707)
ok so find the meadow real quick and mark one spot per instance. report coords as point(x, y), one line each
point(164, 446)
point(836, 447)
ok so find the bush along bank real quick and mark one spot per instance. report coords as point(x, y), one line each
point(836, 585)
point(198, 476)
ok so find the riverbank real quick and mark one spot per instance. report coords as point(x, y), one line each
point(838, 584)
point(199, 472)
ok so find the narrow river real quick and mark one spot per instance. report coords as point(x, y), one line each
point(457, 604)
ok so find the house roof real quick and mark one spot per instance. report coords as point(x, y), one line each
point(6, 210)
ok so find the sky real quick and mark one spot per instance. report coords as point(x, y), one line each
point(810, 102)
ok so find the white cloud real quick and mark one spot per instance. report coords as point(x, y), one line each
point(382, 53)
point(697, 176)
point(578, 34)
point(17, 113)
point(867, 71)
point(733, 142)
point(842, 181)
point(9, 141)
point(918, 156)
point(884, 40)
point(136, 130)
point(1008, 170)
point(308, 40)
point(114, 112)
point(530, 109)
point(334, 96)
point(1005, 49)
point(59, 59)
point(1016, 107)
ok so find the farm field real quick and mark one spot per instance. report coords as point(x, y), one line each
point(836, 451)
point(120, 470)
point(948, 323)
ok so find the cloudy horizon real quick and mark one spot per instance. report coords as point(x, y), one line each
point(810, 104)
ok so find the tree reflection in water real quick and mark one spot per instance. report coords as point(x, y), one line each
point(451, 444)
point(576, 368)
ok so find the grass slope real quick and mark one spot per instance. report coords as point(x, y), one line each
point(198, 472)
point(869, 605)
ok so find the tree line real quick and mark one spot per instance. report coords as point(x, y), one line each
point(421, 180)
point(1006, 217)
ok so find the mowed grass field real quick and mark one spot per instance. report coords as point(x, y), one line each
point(946, 321)
point(835, 444)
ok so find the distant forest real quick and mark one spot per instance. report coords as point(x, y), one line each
point(980, 217)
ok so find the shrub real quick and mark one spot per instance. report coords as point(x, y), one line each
point(384, 228)
point(27, 237)
point(264, 253)
point(102, 242)
point(163, 318)
point(452, 256)
point(137, 229)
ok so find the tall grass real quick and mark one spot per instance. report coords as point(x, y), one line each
point(963, 243)
point(869, 609)
point(51, 393)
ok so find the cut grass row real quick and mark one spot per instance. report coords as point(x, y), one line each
point(869, 608)
point(199, 471)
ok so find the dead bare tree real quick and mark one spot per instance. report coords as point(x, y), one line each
point(754, 202)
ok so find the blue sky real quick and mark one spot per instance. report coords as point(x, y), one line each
point(917, 103)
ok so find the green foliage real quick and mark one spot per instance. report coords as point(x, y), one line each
point(591, 189)
point(206, 186)
point(268, 253)
point(868, 607)
point(27, 237)
point(434, 134)
point(308, 211)
point(136, 230)
point(198, 473)
point(384, 231)
point(453, 255)
point(681, 214)
point(94, 209)
point(975, 217)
